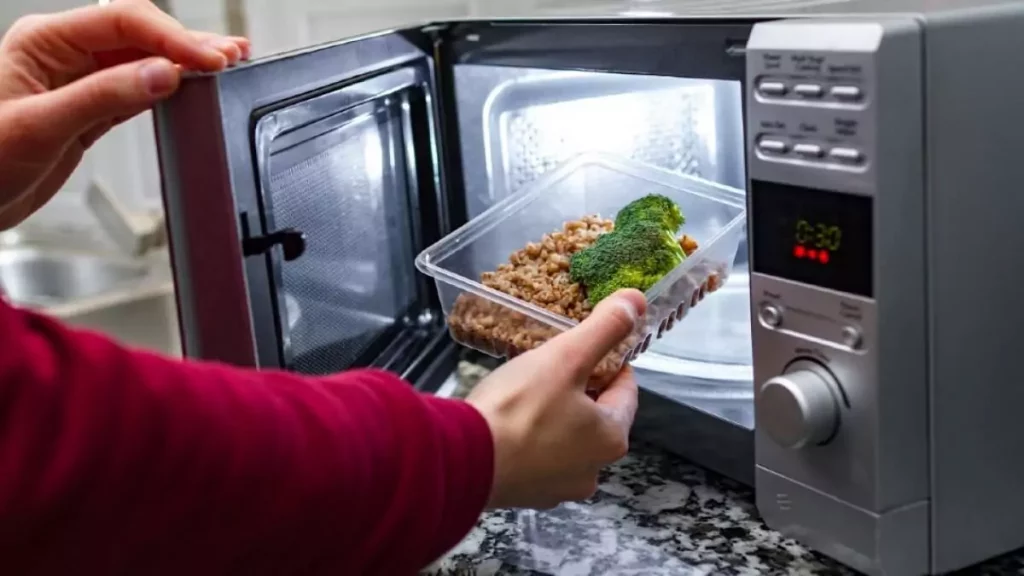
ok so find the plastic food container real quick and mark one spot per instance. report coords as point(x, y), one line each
point(500, 325)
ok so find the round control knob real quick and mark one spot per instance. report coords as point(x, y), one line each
point(799, 407)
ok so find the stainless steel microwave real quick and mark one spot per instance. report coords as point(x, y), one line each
point(871, 394)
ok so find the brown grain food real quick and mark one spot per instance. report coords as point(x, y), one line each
point(539, 274)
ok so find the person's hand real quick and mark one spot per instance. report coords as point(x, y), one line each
point(551, 439)
point(68, 78)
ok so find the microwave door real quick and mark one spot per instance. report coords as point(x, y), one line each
point(299, 190)
point(530, 95)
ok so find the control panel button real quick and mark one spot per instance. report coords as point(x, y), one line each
point(771, 315)
point(808, 150)
point(809, 90)
point(772, 88)
point(851, 155)
point(799, 408)
point(772, 146)
point(847, 93)
point(852, 337)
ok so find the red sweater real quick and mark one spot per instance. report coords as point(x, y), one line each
point(121, 462)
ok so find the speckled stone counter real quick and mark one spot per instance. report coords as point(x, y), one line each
point(654, 514)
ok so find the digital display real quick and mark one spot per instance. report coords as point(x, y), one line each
point(818, 237)
point(817, 241)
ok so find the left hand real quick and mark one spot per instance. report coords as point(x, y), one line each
point(68, 78)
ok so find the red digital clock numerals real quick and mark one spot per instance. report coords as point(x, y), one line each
point(816, 242)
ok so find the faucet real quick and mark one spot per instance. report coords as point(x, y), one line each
point(136, 233)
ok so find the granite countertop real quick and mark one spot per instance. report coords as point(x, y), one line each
point(654, 514)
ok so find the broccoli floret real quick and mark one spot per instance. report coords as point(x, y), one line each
point(651, 208)
point(636, 255)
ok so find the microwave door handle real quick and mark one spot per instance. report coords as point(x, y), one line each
point(292, 242)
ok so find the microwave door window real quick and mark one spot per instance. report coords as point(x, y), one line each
point(519, 123)
point(342, 181)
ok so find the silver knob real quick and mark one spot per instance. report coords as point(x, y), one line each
point(771, 315)
point(852, 337)
point(799, 407)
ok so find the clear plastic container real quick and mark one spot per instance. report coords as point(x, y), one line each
point(501, 325)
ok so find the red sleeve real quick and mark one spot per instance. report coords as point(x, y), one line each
point(121, 462)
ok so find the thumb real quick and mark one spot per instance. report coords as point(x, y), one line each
point(123, 90)
point(608, 325)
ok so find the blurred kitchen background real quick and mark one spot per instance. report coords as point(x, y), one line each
point(95, 256)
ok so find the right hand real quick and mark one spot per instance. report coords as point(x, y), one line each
point(550, 438)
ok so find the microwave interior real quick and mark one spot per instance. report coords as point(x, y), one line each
point(317, 176)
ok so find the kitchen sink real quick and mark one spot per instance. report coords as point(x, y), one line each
point(70, 276)
point(41, 278)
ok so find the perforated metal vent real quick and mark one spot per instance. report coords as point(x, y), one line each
point(659, 128)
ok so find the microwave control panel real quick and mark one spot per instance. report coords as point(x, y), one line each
point(833, 127)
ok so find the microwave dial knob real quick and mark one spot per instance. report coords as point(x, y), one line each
point(800, 407)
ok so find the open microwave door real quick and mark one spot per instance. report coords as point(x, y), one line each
point(298, 191)
point(526, 96)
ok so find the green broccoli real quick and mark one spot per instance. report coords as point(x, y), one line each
point(637, 255)
point(651, 208)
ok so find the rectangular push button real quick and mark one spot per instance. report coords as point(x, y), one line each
point(808, 150)
point(846, 93)
point(851, 155)
point(772, 88)
point(808, 90)
point(772, 146)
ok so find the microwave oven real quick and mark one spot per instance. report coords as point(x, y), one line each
point(870, 399)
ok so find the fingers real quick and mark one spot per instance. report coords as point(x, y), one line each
point(234, 49)
point(126, 25)
point(76, 109)
point(145, 5)
point(607, 326)
point(617, 407)
point(619, 401)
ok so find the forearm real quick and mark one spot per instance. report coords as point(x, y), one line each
point(125, 462)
